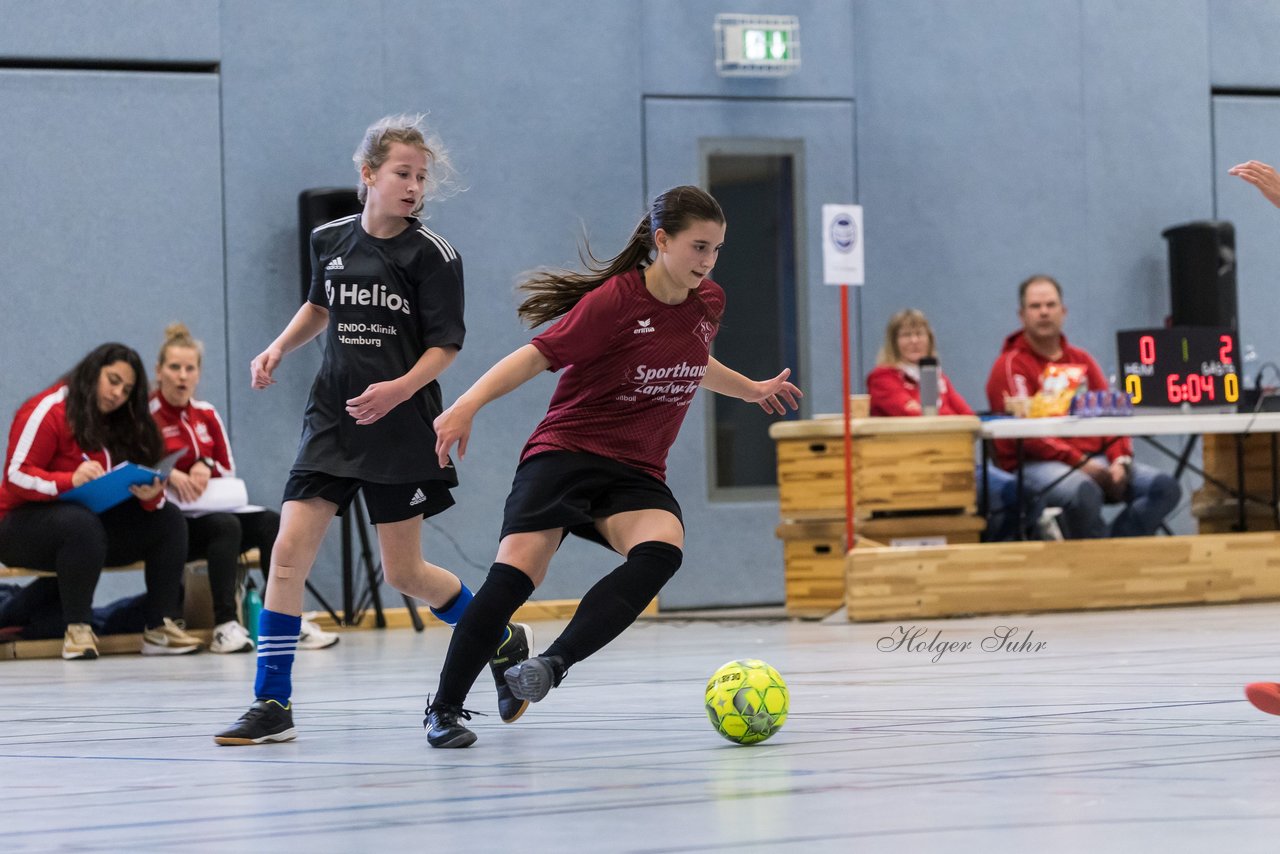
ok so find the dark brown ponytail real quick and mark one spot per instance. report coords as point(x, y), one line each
point(554, 292)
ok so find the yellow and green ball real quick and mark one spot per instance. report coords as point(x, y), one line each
point(747, 701)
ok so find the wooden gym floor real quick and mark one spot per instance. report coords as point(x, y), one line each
point(1125, 731)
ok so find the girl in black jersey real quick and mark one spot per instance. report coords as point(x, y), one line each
point(387, 293)
point(634, 340)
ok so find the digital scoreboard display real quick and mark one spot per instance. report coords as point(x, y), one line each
point(1180, 367)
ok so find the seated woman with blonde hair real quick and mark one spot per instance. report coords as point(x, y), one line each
point(894, 388)
point(894, 383)
point(194, 427)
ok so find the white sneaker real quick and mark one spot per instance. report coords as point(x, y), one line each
point(230, 637)
point(1047, 526)
point(314, 637)
point(169, 638)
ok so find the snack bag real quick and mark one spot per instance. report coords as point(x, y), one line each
point(1058, 385)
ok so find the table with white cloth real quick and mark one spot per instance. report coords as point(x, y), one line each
point(1146, 427)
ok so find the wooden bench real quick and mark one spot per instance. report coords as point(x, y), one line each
point(250, 559)
point(197, 608)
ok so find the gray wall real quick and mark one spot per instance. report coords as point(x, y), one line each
point(156, 150)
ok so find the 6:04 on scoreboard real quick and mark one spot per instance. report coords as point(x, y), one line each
point(1179, 367)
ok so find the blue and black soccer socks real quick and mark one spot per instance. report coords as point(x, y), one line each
point(479, 630)
point(277, 644)
point(453, 611)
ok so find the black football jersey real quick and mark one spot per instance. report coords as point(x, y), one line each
point(389, 300)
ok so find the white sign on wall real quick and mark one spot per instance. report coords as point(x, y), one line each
point(842, 245)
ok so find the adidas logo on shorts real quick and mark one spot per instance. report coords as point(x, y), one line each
point(335, 264)
point(417, 498)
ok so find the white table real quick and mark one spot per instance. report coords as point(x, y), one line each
point(1173, 424)
point(1136, 425)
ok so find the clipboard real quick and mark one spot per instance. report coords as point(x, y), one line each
point(113, 487)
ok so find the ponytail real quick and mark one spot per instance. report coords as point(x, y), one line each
point(553, 293)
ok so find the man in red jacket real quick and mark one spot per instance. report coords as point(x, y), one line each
point(1077, 474)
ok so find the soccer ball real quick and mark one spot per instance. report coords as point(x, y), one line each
point(747, 701)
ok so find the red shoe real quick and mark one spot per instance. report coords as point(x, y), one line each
point(1265, 696)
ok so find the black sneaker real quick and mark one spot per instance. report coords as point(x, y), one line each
point(533, 679)
point(517, 642)
point(443, 728)
point(265, 721)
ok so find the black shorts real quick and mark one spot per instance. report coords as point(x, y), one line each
point(387, 502)
point(570, 490)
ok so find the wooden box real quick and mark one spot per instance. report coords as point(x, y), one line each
point(813, 566)
point(1216, 510)
point(899, 464)
point(1220, 463)
point(925, 530)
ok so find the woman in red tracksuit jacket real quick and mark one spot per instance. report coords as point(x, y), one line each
point(193, 426)
point(67, 435)
point(894, 388)
point(894, 383)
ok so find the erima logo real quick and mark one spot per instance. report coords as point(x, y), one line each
point(335, 264)
point(417, 498)
point(642, 326)
point(351, 293)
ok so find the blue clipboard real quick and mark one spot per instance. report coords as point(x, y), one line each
point(113, 487)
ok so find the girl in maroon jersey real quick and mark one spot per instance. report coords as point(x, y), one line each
point(633, 338)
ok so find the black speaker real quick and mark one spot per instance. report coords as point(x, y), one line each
point(1202, 274)
point(315, 208)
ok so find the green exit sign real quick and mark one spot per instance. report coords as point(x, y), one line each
point(757, 45)
point(766, 45)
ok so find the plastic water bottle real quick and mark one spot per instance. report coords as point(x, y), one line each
point(929, 387)
point(251, 608)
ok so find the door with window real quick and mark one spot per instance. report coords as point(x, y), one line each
point(771, 164)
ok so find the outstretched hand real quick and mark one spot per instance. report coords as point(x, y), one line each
point(453, 427)
point(771, 394)
point(1260, 175)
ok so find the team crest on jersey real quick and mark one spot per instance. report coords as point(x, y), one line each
point(705, 330)
point(203, 432)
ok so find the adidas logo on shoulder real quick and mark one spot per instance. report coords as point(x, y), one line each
point(643, 326)
point(335, 264)
point(417, 498)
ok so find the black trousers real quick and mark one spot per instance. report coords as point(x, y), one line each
point(220, 538)
point(77, 543)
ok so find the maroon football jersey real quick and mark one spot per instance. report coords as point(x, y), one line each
point(632, 365)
